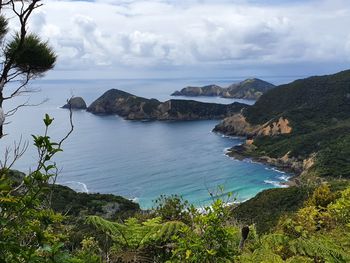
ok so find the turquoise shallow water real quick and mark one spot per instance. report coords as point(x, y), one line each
point(138, 160)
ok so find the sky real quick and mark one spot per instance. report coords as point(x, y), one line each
point(195, 38)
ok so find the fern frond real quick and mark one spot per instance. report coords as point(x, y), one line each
point(274, 240)
point(299, 259)
point(168, 230)
point(115, 230)
point(263, 255)
point(106, 226)
point(321, 248)
point(135, 235)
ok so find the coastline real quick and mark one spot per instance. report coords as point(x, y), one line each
point(239, 152)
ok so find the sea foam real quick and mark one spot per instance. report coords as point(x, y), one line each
point(275, 183)
point(77, 186)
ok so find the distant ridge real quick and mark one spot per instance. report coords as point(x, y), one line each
point(251, 89)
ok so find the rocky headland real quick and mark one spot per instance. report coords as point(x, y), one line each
point(132, 107)
point(250, 89)
point(297, 127)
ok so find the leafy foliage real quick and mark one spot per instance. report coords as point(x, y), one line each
point(29, 228)
point(309, 235)
point(31, 54)
point(172, 208)
point(132, 238)
point(209, 239)
point(89, 252)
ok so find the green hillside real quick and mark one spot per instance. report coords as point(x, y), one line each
point(313, 100)
point(318, 111)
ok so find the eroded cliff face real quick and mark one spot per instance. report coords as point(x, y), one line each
point(275, 128)
point(292, 164)
point(238, 125)
point(285, 163)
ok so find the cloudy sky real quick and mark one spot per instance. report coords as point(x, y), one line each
point(195, 38)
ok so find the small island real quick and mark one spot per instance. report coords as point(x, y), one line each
point(76, 103)
point(250, 89)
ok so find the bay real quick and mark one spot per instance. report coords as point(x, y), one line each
point(137, 160)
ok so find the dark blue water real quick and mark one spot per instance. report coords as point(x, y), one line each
point(138, 160)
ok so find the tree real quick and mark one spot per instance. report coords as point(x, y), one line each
point(23, 57)
point(30, 230)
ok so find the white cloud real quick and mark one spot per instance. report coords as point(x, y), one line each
point(152, 34)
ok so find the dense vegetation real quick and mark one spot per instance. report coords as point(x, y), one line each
point(69, 202)
point(318, 109)
point(265, 209)
point(308, 224)
point(320, 98)
point(44, 222)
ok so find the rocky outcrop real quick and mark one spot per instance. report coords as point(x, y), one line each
point(238, 125)
point(132, 107)
point(76, 103)
point(284, 163)
point(248, 89)
point(235, 125)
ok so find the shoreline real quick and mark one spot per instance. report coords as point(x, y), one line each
point(238, 152)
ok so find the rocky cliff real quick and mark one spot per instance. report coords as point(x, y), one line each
point(304, 125)
point(133, 107)
point(248, 89)
point(238, 125)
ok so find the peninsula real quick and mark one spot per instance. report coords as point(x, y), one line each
point(132, 107)
point(250, 89)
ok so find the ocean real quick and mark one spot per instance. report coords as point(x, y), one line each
point(135, 159)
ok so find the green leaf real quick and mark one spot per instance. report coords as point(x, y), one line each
point(47, 120)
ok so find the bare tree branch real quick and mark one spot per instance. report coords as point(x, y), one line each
point(10, 70)
point(17, 152)
point(25, 104)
